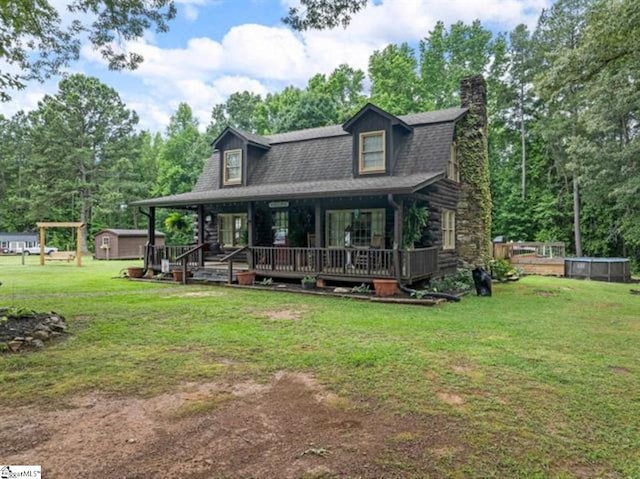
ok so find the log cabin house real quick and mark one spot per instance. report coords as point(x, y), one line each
point(332, 202)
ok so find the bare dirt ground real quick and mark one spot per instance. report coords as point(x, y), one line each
point(288, 428)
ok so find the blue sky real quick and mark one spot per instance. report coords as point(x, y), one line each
point(217, 47)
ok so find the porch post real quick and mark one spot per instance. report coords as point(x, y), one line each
point(200, 234)
point(250, 231)
point(151, 236)
point(319, 233)
point(397, 237)
point(151, 228)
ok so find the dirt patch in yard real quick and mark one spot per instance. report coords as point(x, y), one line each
point(280, 314)
point(619, 370)
point(288, 428)
point(196, 294)
point(451, 399)
point(545, 293)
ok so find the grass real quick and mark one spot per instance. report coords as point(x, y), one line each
point(548, 369)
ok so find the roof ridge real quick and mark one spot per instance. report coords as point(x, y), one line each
point(414, 119)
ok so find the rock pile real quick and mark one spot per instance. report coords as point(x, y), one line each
point(23, 329)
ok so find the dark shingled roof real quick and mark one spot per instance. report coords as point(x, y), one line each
point(318, 162)
point(249, 137)
point(120, 232)
point(18, 236)
point(438, 116)
point(303, 189)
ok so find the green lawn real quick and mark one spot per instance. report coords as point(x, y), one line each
point(549, 369)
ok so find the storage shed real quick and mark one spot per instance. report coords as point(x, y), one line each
point(123, 244)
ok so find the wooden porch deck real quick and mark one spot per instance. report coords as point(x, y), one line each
point(346, 264)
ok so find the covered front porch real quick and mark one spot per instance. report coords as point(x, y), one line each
point(354, 239)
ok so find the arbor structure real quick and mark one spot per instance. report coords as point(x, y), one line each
point(42, 226)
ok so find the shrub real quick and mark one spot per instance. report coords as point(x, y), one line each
point(459, 282)
point(363, 288)
point(500, 269)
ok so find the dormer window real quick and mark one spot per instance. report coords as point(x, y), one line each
point(453, 167)
point(232, 167)
point(372, 152)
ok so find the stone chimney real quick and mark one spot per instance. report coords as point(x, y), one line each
point(473, 219)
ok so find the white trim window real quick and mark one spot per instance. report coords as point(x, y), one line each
point(448, 229)
point(355, 228)
point(232, 229)
point(232, 167)
point(453, 166)
point(105, 241)
point(372, 158)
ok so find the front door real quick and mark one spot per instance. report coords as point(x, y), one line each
point(280, 228)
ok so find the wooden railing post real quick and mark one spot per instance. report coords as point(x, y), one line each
point(184, 270)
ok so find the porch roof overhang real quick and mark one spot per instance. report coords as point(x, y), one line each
point(376, 185)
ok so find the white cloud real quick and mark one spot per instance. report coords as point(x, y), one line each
point(227, 85)
point(264, 52)
point(191, 13)
point(258, 58)
point(190, 8)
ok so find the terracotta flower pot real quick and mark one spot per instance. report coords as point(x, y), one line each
point(135, 272)
point(385, 287)
point(246, 278)
point(177, 276)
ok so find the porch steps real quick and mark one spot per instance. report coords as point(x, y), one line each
point(211, 275)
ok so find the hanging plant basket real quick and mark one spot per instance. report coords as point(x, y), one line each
point(385, 288)
point(246, 278)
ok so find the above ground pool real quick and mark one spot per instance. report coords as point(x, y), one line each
point(613, 270)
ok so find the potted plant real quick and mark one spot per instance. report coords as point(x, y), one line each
point(246, 278)
point(385, 287)
point(177, 275)
point(308, 282)
point(135, 272)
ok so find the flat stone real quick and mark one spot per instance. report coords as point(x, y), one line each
point(15, 345)
point(40, 334)
point(342, 290)
point(37, 343)
point(42, 327)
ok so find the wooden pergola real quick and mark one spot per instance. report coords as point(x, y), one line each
point(77, 225)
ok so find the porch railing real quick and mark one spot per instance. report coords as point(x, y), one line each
point(419, 263)
point(155, 254)
point(336, 262)
point(344, 262)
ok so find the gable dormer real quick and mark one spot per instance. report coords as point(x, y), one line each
point(238, 149)
point(376, 135)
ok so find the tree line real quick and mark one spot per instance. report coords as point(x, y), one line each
point(563, 104)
